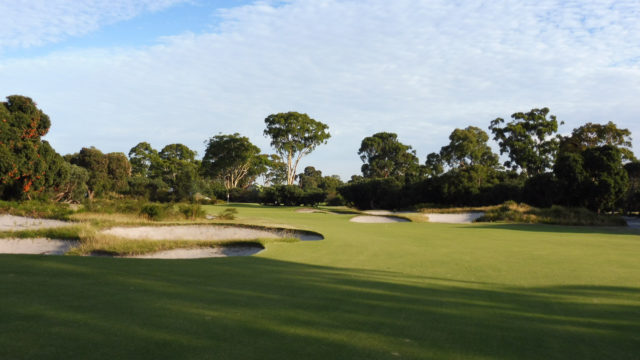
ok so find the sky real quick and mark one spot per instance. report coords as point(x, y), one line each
point(113, 73)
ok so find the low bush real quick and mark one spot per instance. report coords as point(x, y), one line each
point(557, 215)
point(227, 214)
point(191, 211)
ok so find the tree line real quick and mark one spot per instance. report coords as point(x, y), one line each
point(593, 167)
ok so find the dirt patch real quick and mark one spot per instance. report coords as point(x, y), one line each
point(378, 212)
point(373, 219)
point(199, 253)
point(35, 246)
point(205, 232)
point(463, 218)
point(17, 223)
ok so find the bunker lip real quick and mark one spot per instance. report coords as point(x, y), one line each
point(39, 246)
point(191, 253)
point(17, 223)
point(208, 232)
point(377, 219)
point(457, 218)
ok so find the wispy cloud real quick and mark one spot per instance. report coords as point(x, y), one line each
point(28, 23)
point(418, 68)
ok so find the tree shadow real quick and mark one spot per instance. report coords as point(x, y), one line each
point(246, 308)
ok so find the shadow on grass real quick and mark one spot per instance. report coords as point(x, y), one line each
point(256, 308)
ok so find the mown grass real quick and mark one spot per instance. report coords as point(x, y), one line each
point(368, 291)
point(557, 215)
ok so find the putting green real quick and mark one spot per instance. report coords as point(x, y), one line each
point(368, 291)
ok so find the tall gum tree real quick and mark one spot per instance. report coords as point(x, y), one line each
point(529, 139)
point(294, 135)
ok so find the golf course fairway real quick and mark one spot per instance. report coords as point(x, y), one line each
point(367, 291)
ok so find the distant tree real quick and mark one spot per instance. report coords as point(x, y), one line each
point(142, 157)
point(179, 170)
point(468, 147)
point(592, 135)
point(594, 178)
point(24, 156)
point(294, 135)
point(276, 173)
point(230, 158)
point(310, 178)
point(434, 166)
point(118, 170)
point(97, 164)
point(384, 156)
point(632, 197)
point(528, 139)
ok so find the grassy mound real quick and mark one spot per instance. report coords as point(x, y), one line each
point(555, 215)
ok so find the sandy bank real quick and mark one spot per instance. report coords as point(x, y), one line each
point(17, 223)
point(463, 218)
point(199, 253)
point(35, 246)
point(204, 232)
point(372, 219)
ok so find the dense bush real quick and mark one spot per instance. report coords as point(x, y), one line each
point(559, 215)
point(291, 195)
point(191, 211)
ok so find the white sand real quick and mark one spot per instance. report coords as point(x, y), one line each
point(463, 218)
point(199, 253)
point(371, 219)
point(203, 232)
point(35, 246)
point(17, 223)
point(632, 222)
point(378, 212)
point(307, 211)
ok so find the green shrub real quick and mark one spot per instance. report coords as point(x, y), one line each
point(228, 214)
point(191, 211)
point(153, 211)
point(511, 211)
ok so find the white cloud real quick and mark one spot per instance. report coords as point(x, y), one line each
point(418, 68)
point(28, 23)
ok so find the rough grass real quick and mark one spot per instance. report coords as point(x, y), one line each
point(556, 215)
point(36, 209)
point(368, 291)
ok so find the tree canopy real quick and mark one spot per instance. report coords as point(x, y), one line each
point(592, 135)
point(28, 165)
point(294, 135)
point(231, 158)
point(528, 139)
point(384, 156)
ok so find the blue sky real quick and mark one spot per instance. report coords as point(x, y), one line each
point(112, 73)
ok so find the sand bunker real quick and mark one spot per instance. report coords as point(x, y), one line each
point(463, 218)
point(308, 211)
point(199, 253)
point(17, 223)
point(378, 212)
point(372, 219)
point(632, 222)
point(35, 246)
point(205, 232)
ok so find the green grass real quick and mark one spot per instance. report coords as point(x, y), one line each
point(368, 291)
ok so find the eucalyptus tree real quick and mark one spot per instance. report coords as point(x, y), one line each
point(384, 156)
point(529, 139)
point(231, 158)
point(294, 135)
